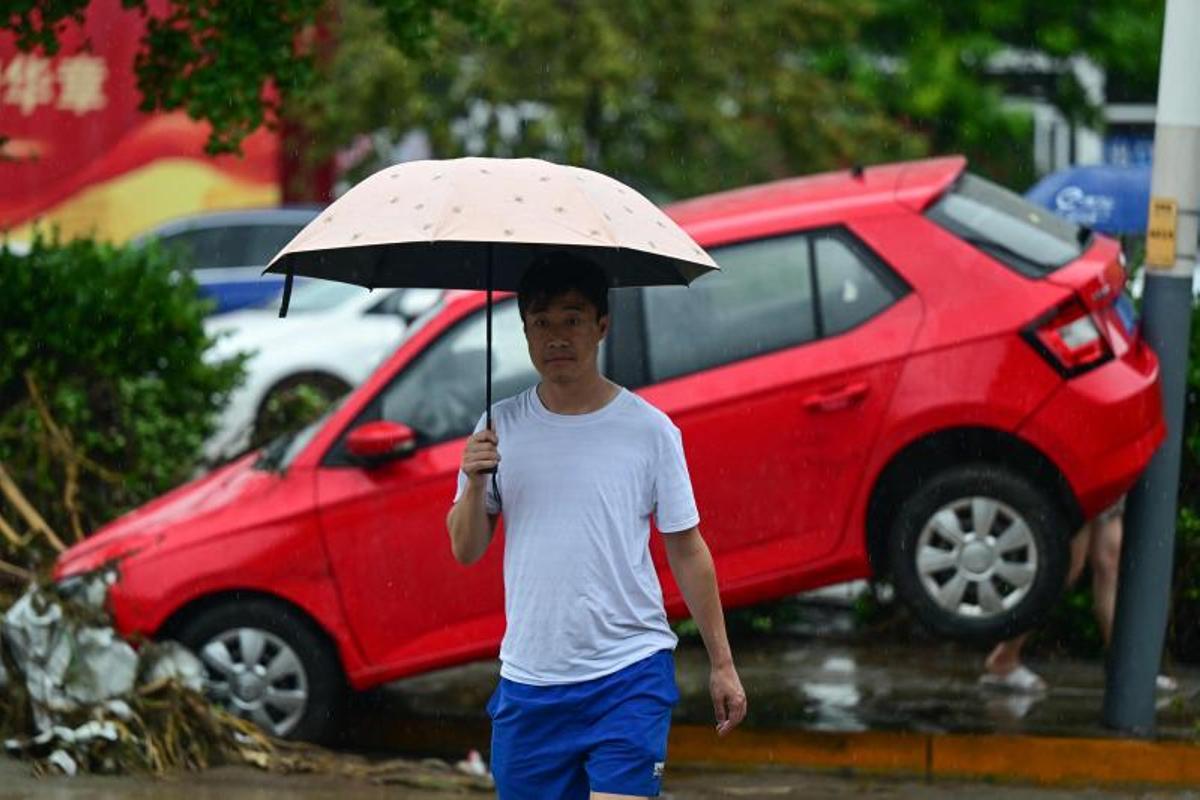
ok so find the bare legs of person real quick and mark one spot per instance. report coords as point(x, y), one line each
point(1003, 667)
point(1104, 553)
point(1098, 542)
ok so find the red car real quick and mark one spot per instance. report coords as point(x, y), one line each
point(902, 371)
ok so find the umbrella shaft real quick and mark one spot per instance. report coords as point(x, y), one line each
point(488, 393)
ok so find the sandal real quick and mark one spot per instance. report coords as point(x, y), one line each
point(1165, 683)
point(1021, 679)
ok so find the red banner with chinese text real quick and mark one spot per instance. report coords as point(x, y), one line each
point(80, 156)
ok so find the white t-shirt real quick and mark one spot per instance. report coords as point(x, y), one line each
point(577, 492)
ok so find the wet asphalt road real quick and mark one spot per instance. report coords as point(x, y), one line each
point(248, 784)
point(825, 683)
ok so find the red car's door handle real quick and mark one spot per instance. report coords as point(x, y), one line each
point(837, 399)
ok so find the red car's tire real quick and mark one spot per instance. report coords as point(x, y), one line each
point(268, 664)
point(979, 553)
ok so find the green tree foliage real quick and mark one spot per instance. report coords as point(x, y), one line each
point(1185, 601)
point(681, 98)
point(931, 62)
point(234, 62)
point(105, 398)
point(674, 97)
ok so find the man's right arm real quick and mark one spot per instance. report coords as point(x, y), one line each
point(470, 525)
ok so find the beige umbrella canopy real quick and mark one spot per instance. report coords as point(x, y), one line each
point(425, 223)
point(477, 223)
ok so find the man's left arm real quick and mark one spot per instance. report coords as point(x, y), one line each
point(692, 565)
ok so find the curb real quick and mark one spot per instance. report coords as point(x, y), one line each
point(1046, 760)
point(1002, 758)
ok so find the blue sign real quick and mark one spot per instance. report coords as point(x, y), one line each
point(1128, 150)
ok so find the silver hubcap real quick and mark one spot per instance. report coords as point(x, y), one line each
point(258, 676)
point(976, 557)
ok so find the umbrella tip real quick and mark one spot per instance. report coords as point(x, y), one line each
point(856, 172)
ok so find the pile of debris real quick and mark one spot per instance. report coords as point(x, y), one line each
point(75, 697)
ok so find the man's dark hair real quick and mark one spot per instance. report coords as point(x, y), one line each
point(554, 274)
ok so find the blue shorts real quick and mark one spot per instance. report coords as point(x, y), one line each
point(604, 735)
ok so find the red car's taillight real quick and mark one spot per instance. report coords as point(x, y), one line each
point(1069, 339)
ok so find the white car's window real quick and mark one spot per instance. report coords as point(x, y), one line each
point(407, 303)
point(317, 295)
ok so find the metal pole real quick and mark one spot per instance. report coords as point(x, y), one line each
point(1143, 594)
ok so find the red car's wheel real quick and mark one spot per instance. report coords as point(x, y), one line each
point(979, 553)
point(265, 663)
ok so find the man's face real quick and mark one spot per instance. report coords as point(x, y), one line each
point(564, 337)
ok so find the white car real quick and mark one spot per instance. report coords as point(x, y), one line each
point(333, 337)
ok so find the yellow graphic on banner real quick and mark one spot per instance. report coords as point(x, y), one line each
point(136, 201)
point(1160, 233)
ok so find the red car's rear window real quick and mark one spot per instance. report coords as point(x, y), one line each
point(1017, 233)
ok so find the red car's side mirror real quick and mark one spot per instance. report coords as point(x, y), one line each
point(375, 443)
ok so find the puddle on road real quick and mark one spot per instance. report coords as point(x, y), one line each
point(814, 685)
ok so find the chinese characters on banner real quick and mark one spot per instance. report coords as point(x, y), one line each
point(79, 156)
point(74, 83)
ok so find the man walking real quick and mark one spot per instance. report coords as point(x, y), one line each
point(587, 674)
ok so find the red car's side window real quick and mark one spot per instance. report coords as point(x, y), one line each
point(770, 294)
point(851, 286)
point(759, 302)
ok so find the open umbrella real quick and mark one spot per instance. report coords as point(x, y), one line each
point(1111, 199)
point(477, 223)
